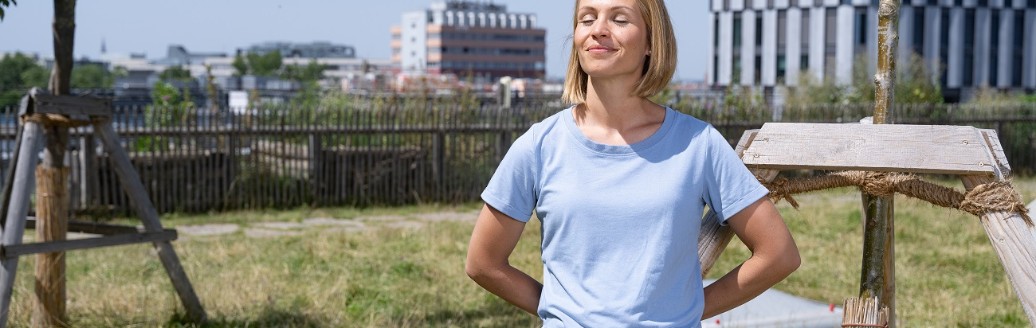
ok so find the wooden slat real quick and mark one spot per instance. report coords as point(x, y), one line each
point(89, 227)
point(12, 251)
point(72, 105)
point(881, 147)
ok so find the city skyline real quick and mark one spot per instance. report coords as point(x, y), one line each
point(150, 27)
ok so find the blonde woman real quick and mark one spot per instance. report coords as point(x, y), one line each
point(619, 184)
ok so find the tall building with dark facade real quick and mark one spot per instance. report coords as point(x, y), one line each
point(469, 38)
point(967, 44)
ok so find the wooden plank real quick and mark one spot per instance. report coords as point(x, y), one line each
point(18, 208)
point(12, 251)
point(1015, 244)
point(149, 217)
point(72, 105)
point(996, 152)
point(880, 147)
point(89, 227)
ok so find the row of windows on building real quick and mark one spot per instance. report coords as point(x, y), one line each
point(450, 36)
point(480, 65)
point(861, 30)
point(486, 51)
point(772, 4)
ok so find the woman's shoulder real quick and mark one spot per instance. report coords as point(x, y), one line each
point(688, 122)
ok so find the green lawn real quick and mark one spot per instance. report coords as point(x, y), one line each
point(947, 273)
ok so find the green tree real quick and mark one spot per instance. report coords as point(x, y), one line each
point(240, 65)
point(6, 3)
point(91, 76)
point(19, 73)
point(311, 72)
point(267, 64)
point(175, 73)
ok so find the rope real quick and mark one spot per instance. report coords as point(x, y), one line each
point(60, 121)
point(997, 196)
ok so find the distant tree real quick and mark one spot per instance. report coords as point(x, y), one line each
point(175, 73)
point(240, 65)
point(18, 74)
point(311, 72)
point(6, 3)
point(267, 64)
point(92, 76)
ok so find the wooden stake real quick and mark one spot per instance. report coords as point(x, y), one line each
point(50, 267)
point(864, 313)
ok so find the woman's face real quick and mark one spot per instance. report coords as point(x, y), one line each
point(610, 37)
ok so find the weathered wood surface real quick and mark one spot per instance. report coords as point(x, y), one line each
point(149, 217)
point(17, 209)
point(713, 238)
point(86, 243)
point(72, 105)
point(1015, 244)
point(880, 147)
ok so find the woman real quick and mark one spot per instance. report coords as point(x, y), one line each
point(619, 184)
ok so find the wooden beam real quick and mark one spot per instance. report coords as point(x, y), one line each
point(18, 208)
point(90, 227)
point(864, 147)
point(145, 209)
point(76, 244)
point(72, 105)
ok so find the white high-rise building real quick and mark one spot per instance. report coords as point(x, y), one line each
point(968, 44)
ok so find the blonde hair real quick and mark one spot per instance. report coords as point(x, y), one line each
point(658, 67)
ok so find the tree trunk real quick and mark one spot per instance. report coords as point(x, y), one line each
point(52, 181)
point(878, 269)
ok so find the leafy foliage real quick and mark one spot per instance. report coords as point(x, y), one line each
point(6, 3)
point(92, 77)
point(19, 73)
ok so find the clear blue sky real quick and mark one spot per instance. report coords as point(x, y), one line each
point(149, 26)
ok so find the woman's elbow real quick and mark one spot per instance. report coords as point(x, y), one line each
point(789, 261)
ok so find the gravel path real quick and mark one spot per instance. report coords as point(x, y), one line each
point(358, 224)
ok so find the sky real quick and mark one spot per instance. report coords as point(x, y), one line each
point(150, 26)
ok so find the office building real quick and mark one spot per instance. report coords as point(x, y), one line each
point(469, 38)
point(967, 44)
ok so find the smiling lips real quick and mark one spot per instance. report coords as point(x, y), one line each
point(599, 49)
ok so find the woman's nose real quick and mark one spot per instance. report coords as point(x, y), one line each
point(600, 28)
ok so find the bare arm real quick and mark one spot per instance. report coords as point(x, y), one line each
point(774, 257)
point(492, 242)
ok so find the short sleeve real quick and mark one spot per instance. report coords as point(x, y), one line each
point(513, 188)
point(730, 186)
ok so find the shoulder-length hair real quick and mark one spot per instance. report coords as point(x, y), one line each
point(659, 66)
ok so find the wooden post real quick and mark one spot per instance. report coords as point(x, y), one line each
point(316, 169)
point(17, 209)
point(149, 217)
point(877, 277)
point(52, 205)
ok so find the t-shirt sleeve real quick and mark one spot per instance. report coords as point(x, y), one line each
point(730, 186)
point(513, 188)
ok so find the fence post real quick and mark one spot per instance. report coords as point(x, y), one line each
point(316, 161)
point(439, 163)
point(88, 179)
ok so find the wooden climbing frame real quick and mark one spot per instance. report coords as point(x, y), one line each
point(37, 111)
point(973, 154)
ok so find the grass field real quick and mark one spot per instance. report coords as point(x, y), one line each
point(947, 274)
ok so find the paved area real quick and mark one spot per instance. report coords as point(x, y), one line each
point(775, 308)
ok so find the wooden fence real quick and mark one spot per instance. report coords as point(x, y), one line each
point(388, 150)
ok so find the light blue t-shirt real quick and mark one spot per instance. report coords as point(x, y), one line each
point(620, 223)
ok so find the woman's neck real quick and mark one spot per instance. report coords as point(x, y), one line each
point(611, 113)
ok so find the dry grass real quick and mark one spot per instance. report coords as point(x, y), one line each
point(946, 272)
